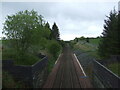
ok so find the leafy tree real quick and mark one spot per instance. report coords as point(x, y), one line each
point(110, 40)
point(28, 35)
point(23, 29)
point(55, 32)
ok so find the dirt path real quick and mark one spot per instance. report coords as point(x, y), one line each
point(67, 73)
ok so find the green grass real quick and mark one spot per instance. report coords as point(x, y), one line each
point(82, 47)
point(94, 41)
point(0, 42)
point(9, 82)
point(91, 52)
point(87, 48)
point(51, 61)
point(90, 49)
point(115, 68)
point(25, 59)
point(9, 53)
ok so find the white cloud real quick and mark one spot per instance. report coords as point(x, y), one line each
point(73, 19)
point(59, 0)
point(0, 20)
point(68, 37)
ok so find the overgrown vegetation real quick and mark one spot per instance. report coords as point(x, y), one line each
point(109, 45)
point(114, 67)
point(9, 82)
point(104, 46)
point(84, 46)
point(90, 51)
point(27, 36)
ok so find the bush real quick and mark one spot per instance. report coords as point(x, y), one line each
point(19, 59)
point(8, 53)
point(62, 43)
point(9, 82)
point(50, 65)
point(54, 48)
point(26, 59)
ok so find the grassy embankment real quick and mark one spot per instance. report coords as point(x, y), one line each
point(29, 58)
point(52, 51)
point(91, 48)
point(9, 53)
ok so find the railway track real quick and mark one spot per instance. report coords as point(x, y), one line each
point(67, 73)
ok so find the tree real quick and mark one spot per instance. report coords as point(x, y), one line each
point(118, 32)
point(55, 32)
point(87, 39)
point(47, 26)
point(110, 40)
point(23, 29)
point(82, 38)
point(29, 35)
point(76, 39)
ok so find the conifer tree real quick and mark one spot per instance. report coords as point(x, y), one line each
point(55, 32)
point(110, 40)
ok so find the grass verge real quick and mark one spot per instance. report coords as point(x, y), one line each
point(115, 68)
point(9, 82)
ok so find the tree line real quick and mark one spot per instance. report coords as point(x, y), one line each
point(110, 38)
point(110, 43)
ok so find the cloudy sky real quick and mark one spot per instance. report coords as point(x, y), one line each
point(74, 19)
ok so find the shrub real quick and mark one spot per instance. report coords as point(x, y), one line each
point(54, 48)
point(7, 80)
point(26, 59)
